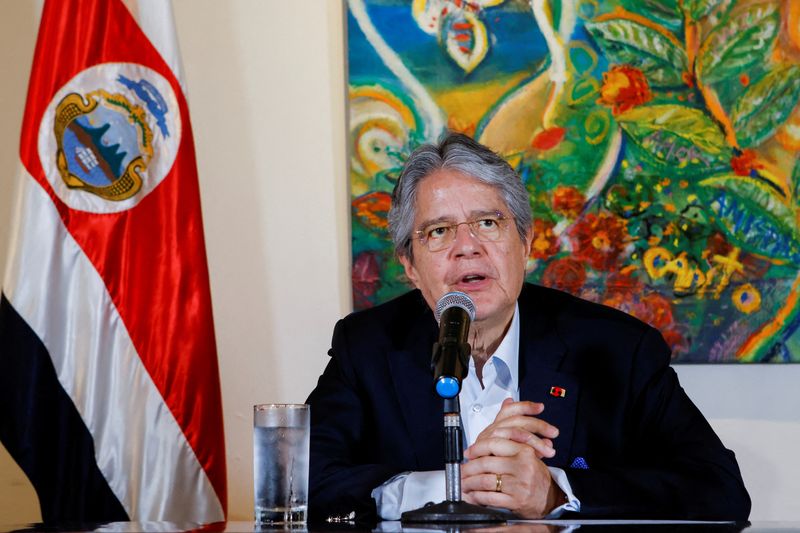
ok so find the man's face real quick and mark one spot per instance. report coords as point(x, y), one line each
point(491, 273)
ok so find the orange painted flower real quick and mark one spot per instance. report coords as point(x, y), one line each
point(545, 243)
point(624, 87)
point(549, 138)
point(565, 274)
point(567, 201)
point(372, 209)
point(599, 239)
point(744, 163)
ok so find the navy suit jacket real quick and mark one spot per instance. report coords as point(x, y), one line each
point(650, 452)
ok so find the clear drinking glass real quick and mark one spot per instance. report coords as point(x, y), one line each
point(280, 460)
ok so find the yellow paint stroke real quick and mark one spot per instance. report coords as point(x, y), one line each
point(753, 303)
point(379, 93)
point(519, 117)
point(469, 102)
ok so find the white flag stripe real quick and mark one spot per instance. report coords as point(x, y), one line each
point(139, 446)
point(157, 22)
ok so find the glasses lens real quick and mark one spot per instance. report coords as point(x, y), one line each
point(487, 228)
point(438, 237)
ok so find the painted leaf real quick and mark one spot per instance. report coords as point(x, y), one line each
point(766, 105)
point(662, 7)
point(683, 139)
point(753, 216)
point(656, 53)
point(664, 12)
point(796, 183)
point(464, 37)
point(741, 41)
point(698, 9)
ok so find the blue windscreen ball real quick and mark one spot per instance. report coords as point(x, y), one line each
point(447, 387)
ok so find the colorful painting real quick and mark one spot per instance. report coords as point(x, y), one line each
point(658, 140)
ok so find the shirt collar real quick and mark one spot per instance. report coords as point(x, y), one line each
point(506, 357)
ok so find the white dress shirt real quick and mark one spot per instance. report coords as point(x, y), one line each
point(479, 407)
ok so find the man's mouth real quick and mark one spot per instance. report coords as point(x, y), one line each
point(472, 278)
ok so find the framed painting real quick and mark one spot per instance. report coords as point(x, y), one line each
point(658, 140)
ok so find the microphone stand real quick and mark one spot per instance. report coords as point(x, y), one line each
point(453, 509)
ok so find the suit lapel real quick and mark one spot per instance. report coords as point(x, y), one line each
point(540, 358)
point(421, 408)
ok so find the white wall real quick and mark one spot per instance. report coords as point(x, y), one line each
point(267, 96)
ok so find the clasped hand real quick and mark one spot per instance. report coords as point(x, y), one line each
point(505, 468)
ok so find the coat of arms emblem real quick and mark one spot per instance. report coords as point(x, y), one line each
point(115, 130)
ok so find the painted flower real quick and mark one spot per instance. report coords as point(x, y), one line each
point(652, 308)
point(746, 298)
point(619, 286)
point(565, 274)
point(567, 201)
point(599, 239)
point(545, 242)
point(549, 138)
point(744, 163)
point(372, 209)
point(624, 87)
point(366, 279)
point(656, 310)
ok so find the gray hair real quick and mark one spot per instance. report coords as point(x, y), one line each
point(458, 152)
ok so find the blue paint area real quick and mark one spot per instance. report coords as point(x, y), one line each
point(515, 45)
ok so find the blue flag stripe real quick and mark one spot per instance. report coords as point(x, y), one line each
point(45, 434)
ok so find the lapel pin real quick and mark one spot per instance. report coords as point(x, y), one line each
point(558, 392)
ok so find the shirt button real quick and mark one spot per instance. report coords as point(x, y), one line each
point(476, 408)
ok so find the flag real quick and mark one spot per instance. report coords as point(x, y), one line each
point(109, 385)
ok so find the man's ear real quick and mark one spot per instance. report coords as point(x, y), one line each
point(411, 272)
point(529, 242)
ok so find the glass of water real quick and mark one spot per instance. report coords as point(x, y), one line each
point(280, 459)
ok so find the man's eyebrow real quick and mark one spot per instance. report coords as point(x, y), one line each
point(473, 215)
point(432, 221)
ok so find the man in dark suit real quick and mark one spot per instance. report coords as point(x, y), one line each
point(570, 408)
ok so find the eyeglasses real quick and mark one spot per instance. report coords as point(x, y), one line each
point(486, 228)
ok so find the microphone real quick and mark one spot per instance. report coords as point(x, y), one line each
point(450, 363)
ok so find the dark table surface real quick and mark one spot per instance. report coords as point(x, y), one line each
point(536, 526)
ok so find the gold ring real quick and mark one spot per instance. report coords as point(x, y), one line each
point(498, 485)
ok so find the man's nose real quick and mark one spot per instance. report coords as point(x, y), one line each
point(465, 242)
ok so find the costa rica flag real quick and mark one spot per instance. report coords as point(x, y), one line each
point(109, 385)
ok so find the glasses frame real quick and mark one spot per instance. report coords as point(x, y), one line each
point(502, 221)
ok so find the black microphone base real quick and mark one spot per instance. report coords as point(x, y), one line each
point(454, 512)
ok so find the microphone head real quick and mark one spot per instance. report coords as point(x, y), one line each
point(455, 299)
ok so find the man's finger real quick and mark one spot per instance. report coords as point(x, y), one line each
point(531, 424)
point(496, 464)
point(492, 499)
point(543, 447)
point(482, 482)
point(512, 408)
point(493, 446)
